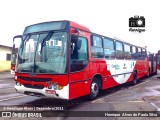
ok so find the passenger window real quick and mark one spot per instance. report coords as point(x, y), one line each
point(108, 43)
point(133, 49)
point(144, 54)
point(139, 50)
point(119, 50)
point(79, 53)
point(96, 48)
point(119, 46)
point(127, 53)
point(96, 41)
point(134, 53)
point(109, 51)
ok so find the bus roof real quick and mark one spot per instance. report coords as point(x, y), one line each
point(76, 25)
point(53, 25)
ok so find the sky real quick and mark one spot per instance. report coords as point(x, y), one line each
point(106, 17)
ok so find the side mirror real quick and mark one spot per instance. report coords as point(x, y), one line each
point(17, 41)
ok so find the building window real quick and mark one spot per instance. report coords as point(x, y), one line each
point(8, 57)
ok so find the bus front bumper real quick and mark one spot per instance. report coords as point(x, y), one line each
point(59, 94)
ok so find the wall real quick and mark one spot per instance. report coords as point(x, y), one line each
point(4, 64)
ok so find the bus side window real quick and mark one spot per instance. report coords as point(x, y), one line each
point(96, 47)
point(119, 50)
point(144, 53)
point(134, 53)
point(79, 54)
point(109, 51)
point(127, 51)
point(139, 52)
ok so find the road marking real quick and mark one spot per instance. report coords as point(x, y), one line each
point(12, 98)
point(140, 84)
point(128, 101)
point(120, 91)
point(7, 88)
point(154, 105)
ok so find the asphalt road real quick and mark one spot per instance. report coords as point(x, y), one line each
point(145, 96)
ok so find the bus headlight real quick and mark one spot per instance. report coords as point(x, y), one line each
point(52, 86)
point(55, 86)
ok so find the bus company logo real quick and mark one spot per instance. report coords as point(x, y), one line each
point(137, 24)
point(124, 67)
point(117, 67)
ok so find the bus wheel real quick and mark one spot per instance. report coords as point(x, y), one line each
point(148, 73)
point(94, 89)
point(134, 81)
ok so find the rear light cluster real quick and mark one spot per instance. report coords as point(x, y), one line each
point(54, 86)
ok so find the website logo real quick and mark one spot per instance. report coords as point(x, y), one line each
point(6, 114)
point(137, 24)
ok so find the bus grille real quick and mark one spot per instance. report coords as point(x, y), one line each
point(34, 86)
point(35, 79)
point(33, 93)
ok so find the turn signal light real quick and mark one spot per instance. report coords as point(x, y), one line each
point(60, 87)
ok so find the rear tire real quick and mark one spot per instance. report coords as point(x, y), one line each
point(148, 73)
point(134, 81)
point(94, 89)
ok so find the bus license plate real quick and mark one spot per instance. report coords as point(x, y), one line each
point(50, 91)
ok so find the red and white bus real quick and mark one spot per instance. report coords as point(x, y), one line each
point(158, 62)
point(65, 60)
point(152, 63)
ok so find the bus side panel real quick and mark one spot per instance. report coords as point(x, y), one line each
point(142, 67)
point(109, 82)
point(79, 83)
point(99, 66)
point(78, 89)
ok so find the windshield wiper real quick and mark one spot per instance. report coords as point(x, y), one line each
point(46, 39)
point(24, 41)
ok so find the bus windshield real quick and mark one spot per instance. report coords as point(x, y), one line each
point(43, 53)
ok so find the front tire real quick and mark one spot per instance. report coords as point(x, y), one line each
point(94, 89)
